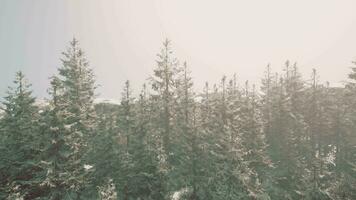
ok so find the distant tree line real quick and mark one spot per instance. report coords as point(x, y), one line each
point(290, 139)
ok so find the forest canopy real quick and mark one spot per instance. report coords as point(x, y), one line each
point(292, 138)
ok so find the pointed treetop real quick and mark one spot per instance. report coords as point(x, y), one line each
point(74, 42)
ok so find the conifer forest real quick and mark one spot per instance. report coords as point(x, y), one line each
point(289, 138)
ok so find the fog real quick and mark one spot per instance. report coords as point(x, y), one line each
point(122, 37)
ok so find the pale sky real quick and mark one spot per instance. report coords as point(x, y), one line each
point(122, 37)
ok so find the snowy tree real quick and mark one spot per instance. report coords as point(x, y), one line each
point(126, 116)
point(163, 83)
point(145, 180)
point(253, 140)
point(283, 112)
point(77, 81)
point(188, 150)
point(21, 140)
point(317, 123)
point(346, 143)
point(266, 89)
point(125, 125)
point(225, 172)
point(56, 155)
point(104, 152)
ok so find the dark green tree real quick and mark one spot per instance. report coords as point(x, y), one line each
point(20, 142)
point(76, 79)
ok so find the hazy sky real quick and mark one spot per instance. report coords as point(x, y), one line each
point(122, 37)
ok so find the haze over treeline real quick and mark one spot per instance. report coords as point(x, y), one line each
point(216, 37)
point(292, 137)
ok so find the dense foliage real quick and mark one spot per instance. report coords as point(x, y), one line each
point(290, 139)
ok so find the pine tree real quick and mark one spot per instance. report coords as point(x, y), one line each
point(228, 165)
point(56, 156)
point(126, 129)
point(21, 140)
point(205, 124)
point(104, 150)
point(266, 88)
point(145, 181)
point(253, 141)
point(163, 83)
point(341, 125)
point(188, 137)
point(284, 137)
point(77, 81)
point(126, 116)
point(312, 142)
point(346, 143)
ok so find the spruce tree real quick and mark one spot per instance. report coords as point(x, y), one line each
point(316, 120)
point(77, 81)
point(284, 134)
point(56, 174)
point(227, 168)
point(253, 142)
point(126, 129)
point(21, 140)
point(145, 181)
point(104, 152)
point(205, 125)
point(163, 83)
point(188, 137)
point(346, 143)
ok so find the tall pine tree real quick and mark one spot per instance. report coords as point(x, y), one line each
point(21, 139)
